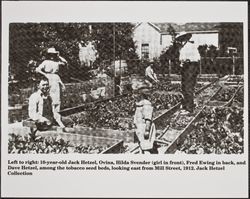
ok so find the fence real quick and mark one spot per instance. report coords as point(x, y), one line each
point(125, 67)
point(75, 94)
point(94, 89)
point(219, 65)
point(222, 65)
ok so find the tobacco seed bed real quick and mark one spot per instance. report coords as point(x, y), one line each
point(106, 126)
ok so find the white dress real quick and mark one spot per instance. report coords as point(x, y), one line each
point(144, 111)
point(51, 68)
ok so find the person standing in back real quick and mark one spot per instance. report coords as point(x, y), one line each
point(50, 69)
point(189, 63)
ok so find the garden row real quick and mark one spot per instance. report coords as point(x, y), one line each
point(215, 129)
point(219, 131)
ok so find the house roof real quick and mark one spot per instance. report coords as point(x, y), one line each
point(187, 27)
point(199, 26)
point(151, 24)
point(229, 25)
point(164, 26)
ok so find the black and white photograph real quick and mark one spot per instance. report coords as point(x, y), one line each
point(126, 88)
point(124, 93)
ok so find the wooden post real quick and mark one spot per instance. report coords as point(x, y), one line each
point(169, 67)
point(114, 56)
point(200, 66)
point(114, 47)
point(233, 65)
point(120, 66)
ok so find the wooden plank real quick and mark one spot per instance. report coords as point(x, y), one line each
point(231, 100)
point(116, 148)
point(29, 123)
point(206, 86)
point(216, 103)
point(231, 83)
point(78, 80)
point(126, 136)
point(73, 139)
point(77, 139)
point(160, 120)
point(76, 109)
point(180, 139)
point(222, 103)
point(213, 96)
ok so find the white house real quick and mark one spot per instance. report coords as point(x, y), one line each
point(147, 38)
point(151, 39)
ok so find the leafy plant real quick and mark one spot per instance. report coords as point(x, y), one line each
point(219, 131)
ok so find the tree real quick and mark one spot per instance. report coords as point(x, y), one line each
point(114, 38)
point(29, 41)
point(203, 50)
point(231, 35)
point(171, 55)
point(172, 32)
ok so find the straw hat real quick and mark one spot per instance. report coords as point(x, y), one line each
point(183, 37)
point(52, 51)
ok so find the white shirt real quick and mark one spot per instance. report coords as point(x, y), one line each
point(49, 66)
point(189, 52)
point(149, 72)
point(36, 107)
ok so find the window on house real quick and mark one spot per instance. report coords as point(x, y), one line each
point(145, 51)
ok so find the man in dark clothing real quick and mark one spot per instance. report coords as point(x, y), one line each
point(189, 58)
point(189, 74)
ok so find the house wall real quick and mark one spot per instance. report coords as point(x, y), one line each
point(145, 33)
point(202, 39)
point(205, 38)
point(199, 38)
point(166, 41)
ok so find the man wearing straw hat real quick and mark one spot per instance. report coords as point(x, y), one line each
point(189, 58)
point(145, 128)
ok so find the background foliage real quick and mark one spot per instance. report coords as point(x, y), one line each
point(29, 41)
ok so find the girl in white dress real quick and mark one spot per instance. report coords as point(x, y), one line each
point(145, 128)
point(50, 68)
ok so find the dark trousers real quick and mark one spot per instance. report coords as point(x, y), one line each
point(188, 80)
